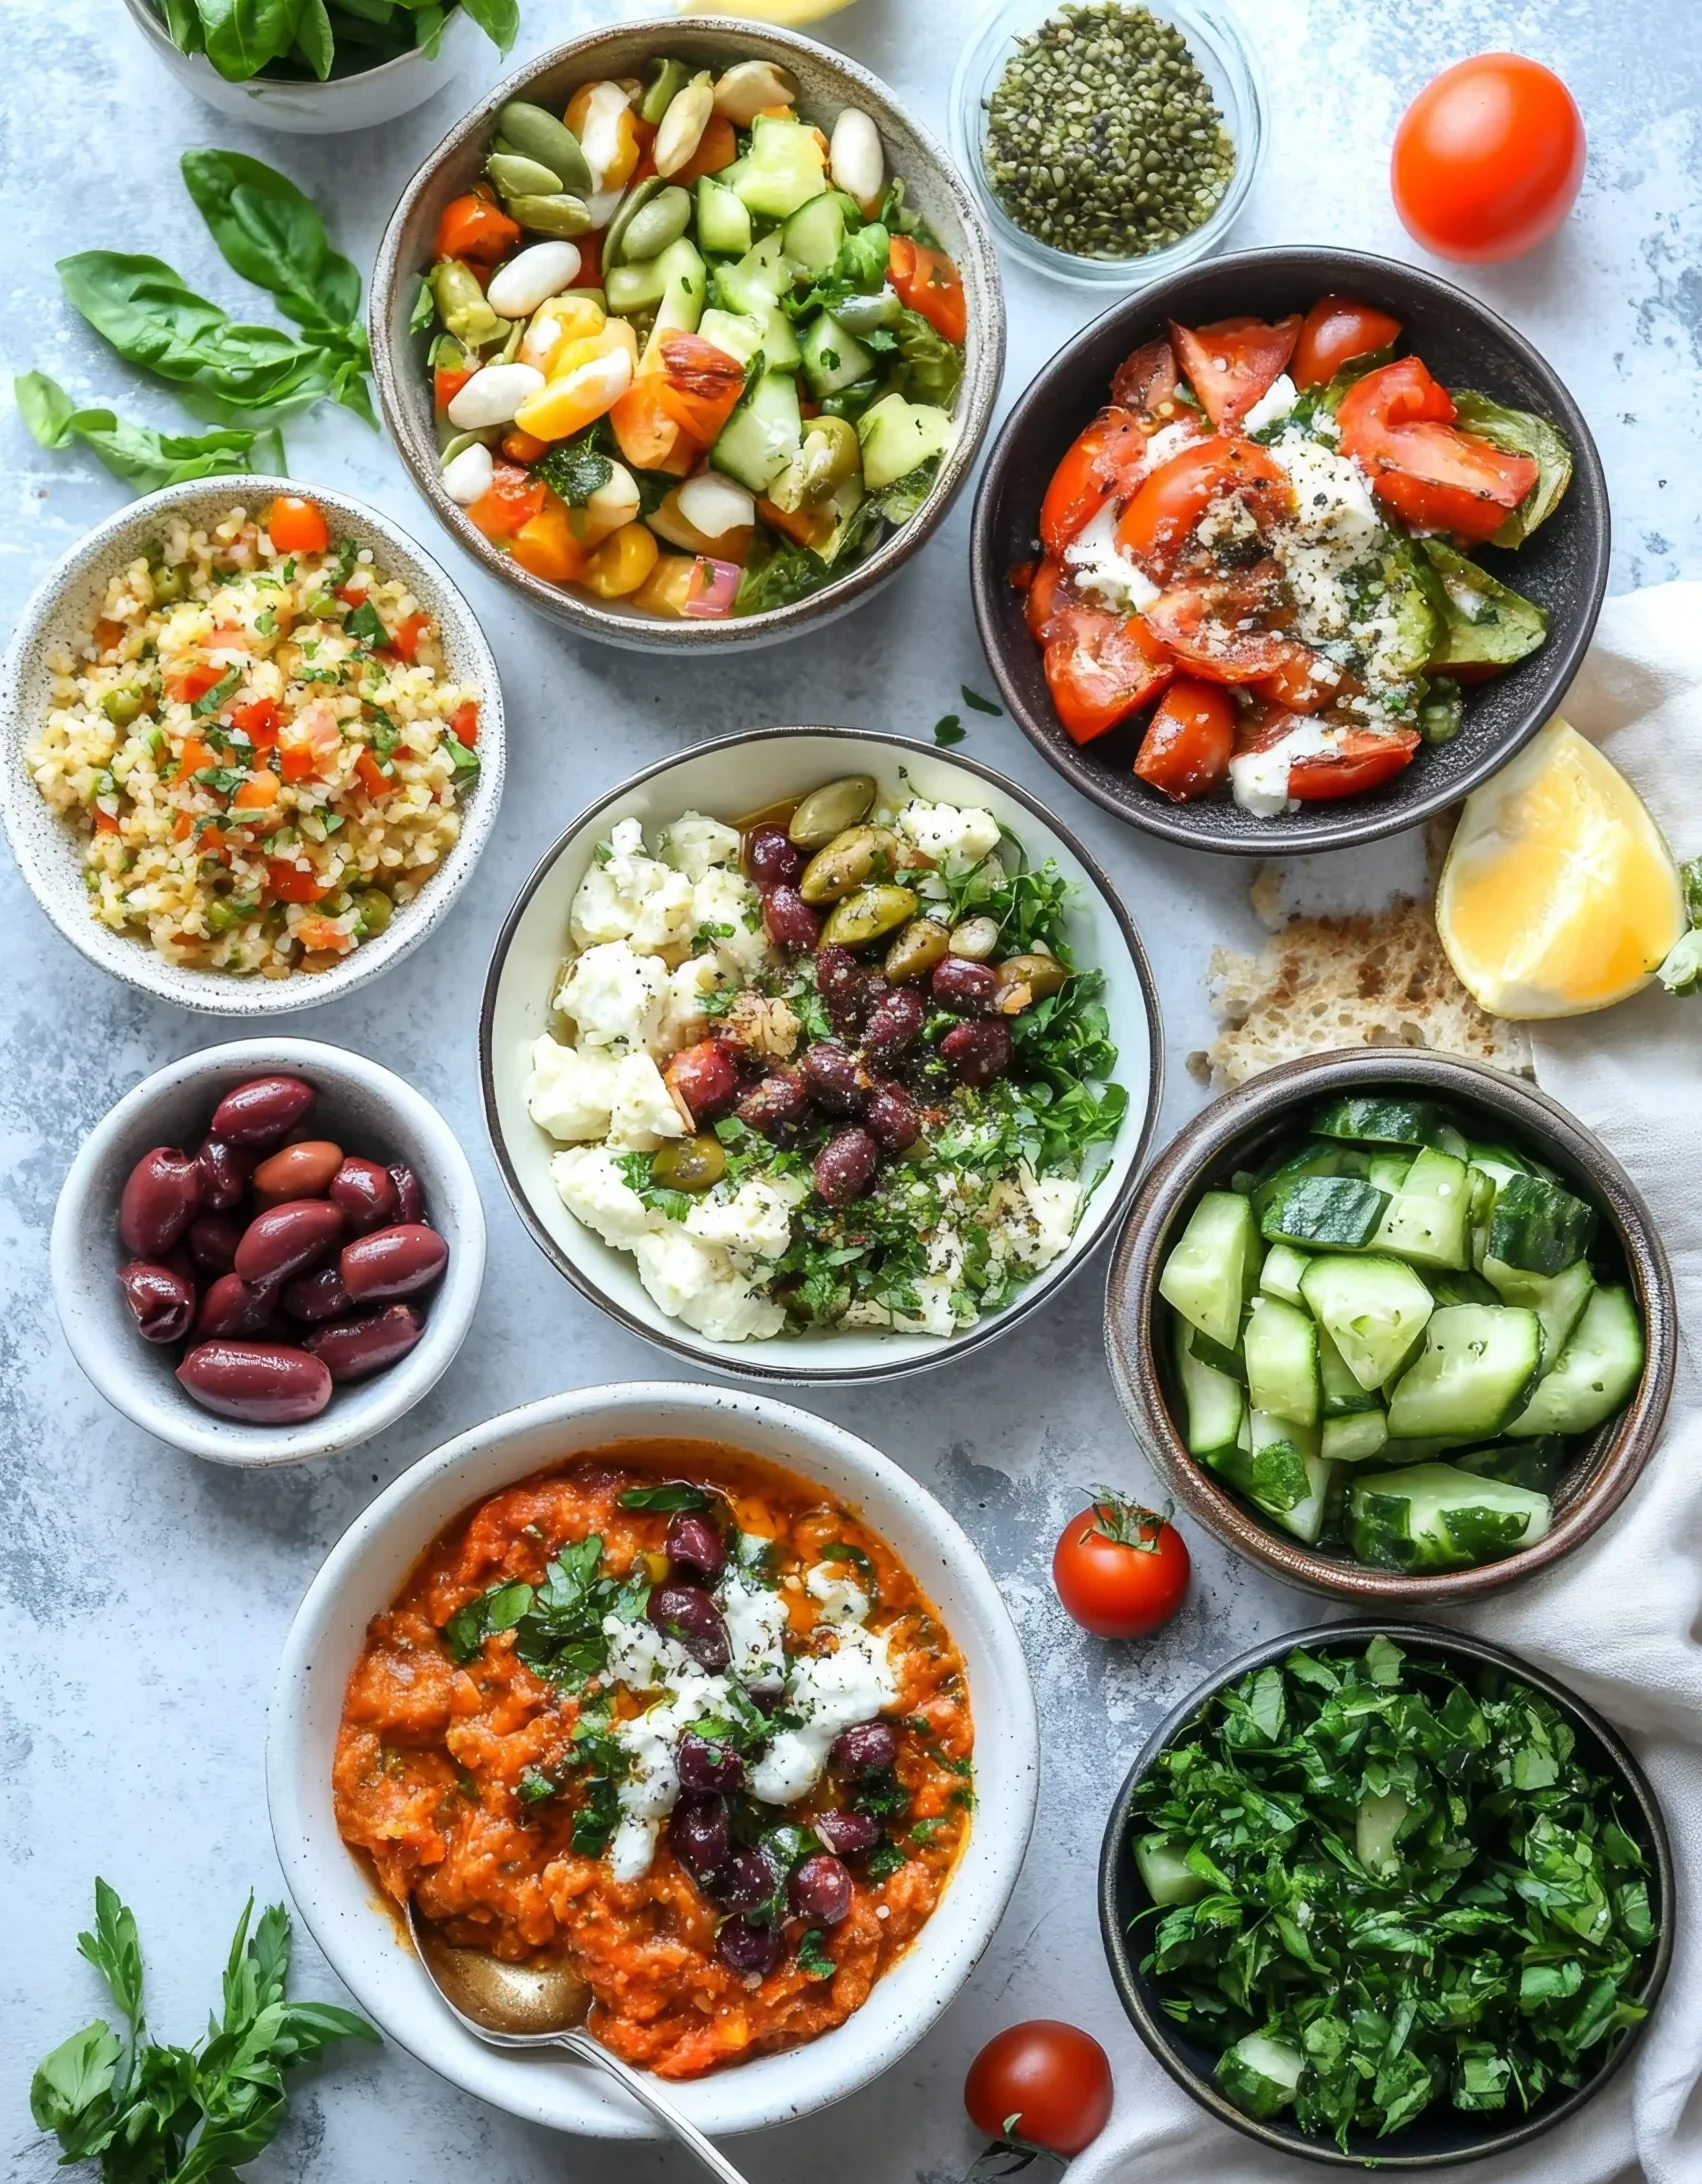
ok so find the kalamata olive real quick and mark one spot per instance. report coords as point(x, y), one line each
point(393, 1262)
point(894, 1117)
point(232, 1307)
point(744, 1883)
point(869, 914)
point(161, 1302)
point(212, 1239)
point(1025, 979)
point(300, 1170)
point(789, 921)
point(775, 1106)
point(410, 1198)
point(317, 1297)
point(976, 939)
point(705, 1765)
point(848, 861)
point(747, 1948)
point(978, 1052)
point(821, 1889)
point(262, 1112)
point(690, 1164)
point(699, 1836)
point(772, 858)
point(894, 1025)
point(846, 1165)
point(833, 1078)
point(705, 1077)
point(686, 1614)
point(832, 808)
point(287, 1240)
point(869, 1748)
point(225, 1170)
point(695, 1544)
point(161, 1196)
point(353, 1349)
point(966, 988)
point(260, 1383)
point(367, 1195)
point(916, 950)
point(847, 989)
point(847, 1833)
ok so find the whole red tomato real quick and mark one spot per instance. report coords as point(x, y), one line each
point(1120, 1570)
point(1045, 2083)
point(1488, 159)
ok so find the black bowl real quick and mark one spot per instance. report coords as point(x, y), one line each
point(1441, 2136)
point(1563, 567)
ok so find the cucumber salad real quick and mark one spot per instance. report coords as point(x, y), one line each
point(831, 1068)
point(687, 351)
point(1393, 1338)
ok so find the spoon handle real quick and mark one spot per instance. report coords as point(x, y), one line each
point(642, 2091)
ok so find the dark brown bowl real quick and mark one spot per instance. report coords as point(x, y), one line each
point(1440, 2137)
point(1233, 1133)
point(1563, 567)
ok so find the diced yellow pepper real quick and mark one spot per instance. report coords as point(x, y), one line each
point(668, 585)
point(556, 322)
point(546, 546)
point(622, 563)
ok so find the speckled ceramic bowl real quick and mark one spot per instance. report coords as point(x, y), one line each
point(49, 850)
point(1238, 1131)
point(366, 1109)
point(828, 82)
point(335, 1892)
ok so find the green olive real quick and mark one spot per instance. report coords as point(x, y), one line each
point(917, 949)
point(168, 585)
point(832, 808)
point(124, 705)
point(866, 915)
point(847, 861)
point(976, 939)
point(689, 1164)
point(376, 911)
point(1025, 979)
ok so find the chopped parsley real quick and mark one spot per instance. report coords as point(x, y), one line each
point(949, 729)
point(210, 700)
point(813, 1959)
point(557, 1625)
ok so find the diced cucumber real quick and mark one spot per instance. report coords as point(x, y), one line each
point(630, 289)
point(758, 281)
point(763, 433)
point(867, 314)
point(783, 169)
point(1213, 1267)
point(1280, 1345)
point(1215, 1355)
point(1496, 1160)
point(779, 343)
point(1259, 2075)
point(1482, 1186)
point(1593, 1375)
point(1162, 1864)
point(738, 333)
point(1277, 1466)
point(1381, 1816)
point(815, 234)
point(1423, 1448)
point(685, 291)
point(723, 219)
point(1343, 1396)
point(1438, 1517)
point(1473, 1374)
point(1463, 1286)
point(1318, 1159)
point(1281, 1272)
point(1426, 1221)
point(1538, 1464)
point(1374, 1310)
point(832, 357)
point(1213, 1403)
point(1328, 1212)
point(1538, 1226)
point(1351, 1440)
point(1451, 1141)
point(1376, 1120)
point(899, 437)
point(1388, 1170)
point(1558, 1300)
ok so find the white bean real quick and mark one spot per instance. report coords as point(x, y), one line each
point(492, 396)
point(468, 476)
point(683, 125)
point(855, 158)
point(531, 278)
point(749, 86)
point(715, 506)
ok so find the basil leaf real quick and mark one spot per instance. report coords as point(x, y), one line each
point(363, 624)
point(183, 25)
point(241, 36)
point(676, 1494)
point(270, 232)
point(313, 40)
point(424, 309)
point(144, 459)
point(577, 468)
point(498, 19)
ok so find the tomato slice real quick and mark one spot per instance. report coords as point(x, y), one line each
point(1397, 425)
point(1159, 520)
point(1305, 683)
point(1049, 592)
point(1146, 381)
point(1213, 629)
point(1365, 759)
point(1186, 750)
point(1402, 393)
point(1232, 363)
point(929, 283)
point(1107, 462)
point(1100, 669)
point(1337, 329)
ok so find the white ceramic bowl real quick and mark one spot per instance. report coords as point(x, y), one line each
point(49, 851)
point(335, 1893)
point(736, 775)
point(318, 109)
point(362, 1107)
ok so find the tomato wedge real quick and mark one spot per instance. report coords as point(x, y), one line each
point(1232, 363)
point(1337, 329)
point(928, 283)
point(1146, 381)
point(1186, 749)
point(1049, 592)
point(1100, 669)
point(1107, 462)
point(1305, 683)
point(1365, 759)
point(1157, 523)
point(1212, 628)
point(1397, 425)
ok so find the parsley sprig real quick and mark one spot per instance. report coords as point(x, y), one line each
point(557, 1625)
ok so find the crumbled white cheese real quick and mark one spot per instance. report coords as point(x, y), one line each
point(684, 1019)
point(726, 903)
point(693, 844)
point(755, 1218)
point(1101, 571)
point(1259, 779)
point(1040, 1217)
point(957, 840)
point(571, 1090)
point(1169, 441)
point(650, 1788)
point(1332, 498)
point(828, 1692)
point(614, 996)
point(755, 1616)
point(643, 1112)
point(626, 895)
point(698, 1284)
point(935, 1312)
point(1276, 402)
point(643, 1656)
point(839, 1598)
point(594, 1191)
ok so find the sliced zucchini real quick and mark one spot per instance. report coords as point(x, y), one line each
point(1593, 1375)
point(1558, 1300)
point(1537, 1226)
point(1438, 1517)
point(1474, 1372)
point(1281, 1272)
point(1351, 1440)
point(1213, 1268)
point(1374, 1310)
point(1280, 1344)
point(1214, 1406)
point(1328, 1212)
point(1376, 1120)
point(1162, 1864)
point(1427, 1218)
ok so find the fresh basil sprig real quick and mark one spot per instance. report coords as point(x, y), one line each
point(289, 38)
point(143, 458)
point(271, 233)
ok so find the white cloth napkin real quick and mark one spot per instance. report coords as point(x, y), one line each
point(1621, 1620)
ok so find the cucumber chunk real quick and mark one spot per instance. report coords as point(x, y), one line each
point(1499, 1161)
point(1538, 1226)
point(1317, 1159)
point(1389, 1170)
point(1281, 1272)
point(833, 358)
point(815, 234)
point(1161, 1862)
point(1351, 1440)
point(738, 333)
point(1260, 2076)
point(1277, 1466)
point(1473, 1374)
point(685, 291)
point(1378, 1121)
point(898, 437)
point(723, 219)
point(763, 433)
point(1438, 1517)
point(1214, 1354)
point(1342, 1393)
point(1463, 1286)
point(784, 168)
point(1427, 1218)
point(1281, 1349)
point(1593, 1375)
point(1378, 1822)
point(1212, 1270)
point(759, 279)
point(1538, 1464)
point(1374, 1310)
point(1214, 1407)
point(1558, 1300)
point(1329, 1212)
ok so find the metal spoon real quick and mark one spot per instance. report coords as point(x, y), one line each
point(536, 2006)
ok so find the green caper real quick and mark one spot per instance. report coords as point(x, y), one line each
point(461, 302)
point(655, 225)
point(689, 1164)
point(376, 911)
point(123, 705)
point(561, 216)
point(517, 176)
point(536, 134)
point(846, 862)
point(917, 949)
point(1025, 979)
point(866, 915)
point(168, 585)
point(832, 808)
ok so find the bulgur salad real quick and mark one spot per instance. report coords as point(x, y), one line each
point(259, 741)
point(833, 1067)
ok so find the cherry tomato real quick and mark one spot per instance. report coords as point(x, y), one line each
point(1186, 749)
point(1106, 462)
point(1338, 329)
point(297, 526)
point(514, 497)
point(927, 282)
point(1397, 425)
point(1488, 159)
point(1146, 381)
point(1213, 629)
point(1121, 1570)
point(1158, 522)
point(1044, 2082)
point(1100, 669)
point(1231, 364)
point(1365, 760)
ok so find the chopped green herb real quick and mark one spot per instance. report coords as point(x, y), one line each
point(949, 729)
point(813, 1959)
point(978, 704)
point(210, 700)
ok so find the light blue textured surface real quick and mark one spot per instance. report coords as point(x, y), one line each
point(146, 1593)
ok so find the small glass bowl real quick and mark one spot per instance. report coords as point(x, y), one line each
point(1223, 58)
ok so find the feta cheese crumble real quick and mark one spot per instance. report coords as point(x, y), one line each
point(1101, 571)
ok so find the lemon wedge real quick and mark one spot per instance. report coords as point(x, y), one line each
point(788, 13)
point(1559, 895)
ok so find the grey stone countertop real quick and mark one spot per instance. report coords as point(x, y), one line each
point(147, 1593)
